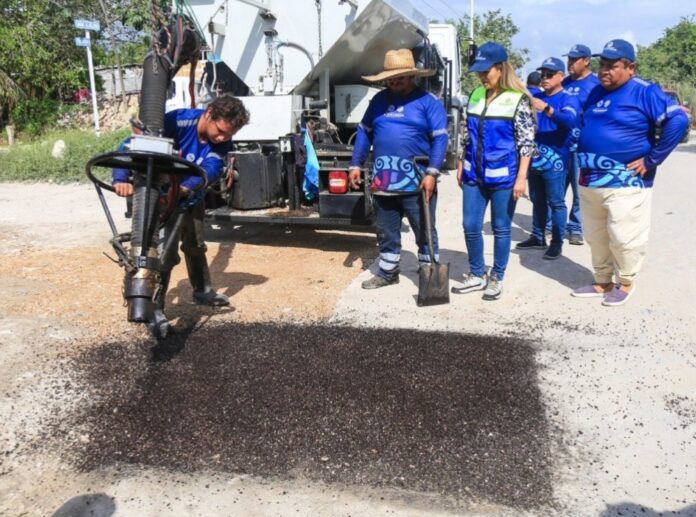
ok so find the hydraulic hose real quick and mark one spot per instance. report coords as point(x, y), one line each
point(172, 48)
point(157, 72)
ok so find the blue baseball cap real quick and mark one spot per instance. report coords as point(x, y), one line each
point(579, 51)
point(617, 49)
point(554, 64)
point(487, 55)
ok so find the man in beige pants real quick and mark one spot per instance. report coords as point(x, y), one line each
point(618, 156)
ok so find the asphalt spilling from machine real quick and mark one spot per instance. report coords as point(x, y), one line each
point(455, 414)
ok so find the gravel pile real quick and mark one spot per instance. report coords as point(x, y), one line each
point(431, 412)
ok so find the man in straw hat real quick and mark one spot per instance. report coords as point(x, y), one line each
point(402, 122)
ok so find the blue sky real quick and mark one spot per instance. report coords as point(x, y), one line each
point(551, 27)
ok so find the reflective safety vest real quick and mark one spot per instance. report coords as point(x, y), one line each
point(491, 158)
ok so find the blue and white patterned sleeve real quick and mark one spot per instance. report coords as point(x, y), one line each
point(525, 129)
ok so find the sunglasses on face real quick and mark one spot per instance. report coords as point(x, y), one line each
point(547, 75)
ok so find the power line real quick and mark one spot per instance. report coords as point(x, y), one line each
point(444, 17)
point(457, 14)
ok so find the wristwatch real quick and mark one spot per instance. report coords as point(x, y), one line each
point(432, 171)
point(547, 108)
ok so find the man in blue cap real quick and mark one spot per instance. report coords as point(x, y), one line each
point(558, 117)
point(533, 82)
point(618, 157)
point(579, 83)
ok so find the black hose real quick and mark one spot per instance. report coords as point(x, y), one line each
point(153, 97)
point(141, 283)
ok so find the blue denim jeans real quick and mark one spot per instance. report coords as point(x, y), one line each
point(474, 203)
point(574, 224)
point(547, 192)
point(390, 210)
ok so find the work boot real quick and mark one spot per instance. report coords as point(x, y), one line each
point(199, 276)
point(210, 298)
point(159, 325)
point(378, 281)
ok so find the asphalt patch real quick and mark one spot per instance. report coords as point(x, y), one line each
point(457, 414)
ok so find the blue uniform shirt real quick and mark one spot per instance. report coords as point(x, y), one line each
point(619, 127)
point(555, 133)
point(180, 125)
point(580, 88)
point(400, 128)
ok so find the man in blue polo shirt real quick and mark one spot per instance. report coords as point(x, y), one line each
point(534, 82)
point(618, 156)
point(401, 122)
point(579, 83)
point(558, 117)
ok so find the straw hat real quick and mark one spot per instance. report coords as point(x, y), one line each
point(399, 63)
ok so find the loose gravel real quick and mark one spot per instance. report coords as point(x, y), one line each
point(430, 412)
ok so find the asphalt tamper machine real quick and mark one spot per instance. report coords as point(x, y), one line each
point(156, 171)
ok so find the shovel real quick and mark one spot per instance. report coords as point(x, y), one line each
point(433, 279)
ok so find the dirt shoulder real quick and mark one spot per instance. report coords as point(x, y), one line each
point(53, 263)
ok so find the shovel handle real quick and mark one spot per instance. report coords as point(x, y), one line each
point(428, 226)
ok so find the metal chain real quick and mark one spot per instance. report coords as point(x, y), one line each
point(318, 4)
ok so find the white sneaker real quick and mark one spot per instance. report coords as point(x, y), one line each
point(493, 290)
point(471, 283)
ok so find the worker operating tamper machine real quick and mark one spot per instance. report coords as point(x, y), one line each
point(151, 163)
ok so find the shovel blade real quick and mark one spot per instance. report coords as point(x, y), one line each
point(433, 285)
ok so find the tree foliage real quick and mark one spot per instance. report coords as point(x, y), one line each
point(490, 26)
point(39, 59)
point(672, 58)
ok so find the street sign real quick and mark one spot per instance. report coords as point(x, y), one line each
point(88, 25)
point(82, 42)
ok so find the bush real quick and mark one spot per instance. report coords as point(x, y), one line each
point(33, 162)
point(32, 116)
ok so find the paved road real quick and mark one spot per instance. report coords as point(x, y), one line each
point(536, 404)
point(619, 383)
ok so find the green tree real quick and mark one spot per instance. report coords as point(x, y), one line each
point(40, 59)
point(490, 26)
point(672, 58)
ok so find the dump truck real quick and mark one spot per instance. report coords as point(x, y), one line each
point(297, 67)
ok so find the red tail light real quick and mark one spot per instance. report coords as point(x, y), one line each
point(338, 182)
